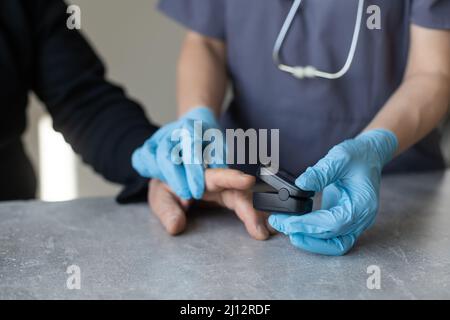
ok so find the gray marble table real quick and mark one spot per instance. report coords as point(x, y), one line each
point(123, 253)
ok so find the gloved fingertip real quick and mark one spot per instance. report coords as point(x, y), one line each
point(275, 223)
point(197, 186)
point(198, 194)
point(308, 181)
point(303, 181)
point(299, 182)
point(272, 220)
point(184, 196)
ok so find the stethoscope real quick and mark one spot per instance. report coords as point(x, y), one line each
point(301, 72)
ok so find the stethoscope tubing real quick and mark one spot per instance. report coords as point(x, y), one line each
point(301, 72)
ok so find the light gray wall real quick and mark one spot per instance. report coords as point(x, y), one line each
point(140, 47)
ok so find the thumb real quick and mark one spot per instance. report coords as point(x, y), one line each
point(327, 171)
point(169, 209)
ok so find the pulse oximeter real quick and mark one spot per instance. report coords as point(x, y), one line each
point(287, 197)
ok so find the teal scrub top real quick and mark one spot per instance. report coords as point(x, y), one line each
point(313, 115)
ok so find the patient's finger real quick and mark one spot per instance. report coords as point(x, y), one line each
point(241, 203)
point(221, 179)
point(169, 209)
point(266, 216)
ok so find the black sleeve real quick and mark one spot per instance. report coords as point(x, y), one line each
point(95, 116)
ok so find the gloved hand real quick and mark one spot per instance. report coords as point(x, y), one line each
point(154, 159)
point(349, 177)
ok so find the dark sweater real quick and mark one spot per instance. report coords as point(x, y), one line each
point(39, 54)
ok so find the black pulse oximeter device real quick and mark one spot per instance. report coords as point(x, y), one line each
point(288, 198)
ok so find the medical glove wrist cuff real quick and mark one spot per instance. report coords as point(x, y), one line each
point(384, 142)
point(201, 113)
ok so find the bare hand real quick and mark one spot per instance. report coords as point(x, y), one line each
point(228, 188)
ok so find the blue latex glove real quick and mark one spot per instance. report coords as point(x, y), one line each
point(349, 177)
point(154, 158)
